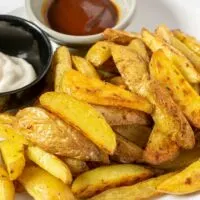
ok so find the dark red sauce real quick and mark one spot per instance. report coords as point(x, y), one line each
point(82, 17)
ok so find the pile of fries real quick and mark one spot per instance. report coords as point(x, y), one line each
point(120, 123)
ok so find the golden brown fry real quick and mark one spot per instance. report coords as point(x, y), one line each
point(119, 37)
point(139, 47)
point(99, 179)
point(185, 158)
point(53, 135)
point(135, 133)
point(81, 115)
point(167, 35)
point(7, 120)
point(7, 190)
point(95, 91)
point(86, 68)
point(50, 163)
point(143, 190)
point(76, 166)
point(99, 53)
point(183, 64)
point(122, 116)
point(185, 182)
point(188, 40)
point(126, 151)
point(60, 64)
point(196, 87)
point(41, 185)
point(184, 95)
point(172, 129)
point(13, 156)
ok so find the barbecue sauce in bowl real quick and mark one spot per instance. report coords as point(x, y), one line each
point(82, 17)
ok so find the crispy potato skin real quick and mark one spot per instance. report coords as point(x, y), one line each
point(99, 179)
point(6, 186)
point(82, 65)
point(185, 182)
point(188, 40)
point(126, 151)
point(139, 47)
point(81, 115)
point(41, 185)
point(13, 155)
point(123, 116)
point(182, 92)
point(183, 64)
point(60, 64)
point(165, 33)
point(118, 36)
point(50, 163)
point(143, 190)
point(99, 53)
point(95, 91)
point(53, 135)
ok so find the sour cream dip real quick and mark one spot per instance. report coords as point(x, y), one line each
point(15, 73)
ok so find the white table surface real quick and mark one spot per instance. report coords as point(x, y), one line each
point(183, 14)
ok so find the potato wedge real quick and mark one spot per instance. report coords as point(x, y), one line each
point(95, 91)
point(139, 47)
point(76, 166)
point(167, 35)
point(135, 133)
point(188, 40)
point(185, 182)
point(13, 156)
point(171, 130)
point(50, 133)
point(143, 190)
point(122, 116)
point(81, 115)
point(60, 64)
point(126, 151)
point(50, 163)
point(6, 186)
point(41, 185)
point(133, 69)
point(99, 53)
point(83, 66)
point(185, 158)
point(183, 64)
point(99, 179)
point(119, 37)
point(182, 92)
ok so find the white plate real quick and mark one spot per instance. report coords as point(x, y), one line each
point(183, 14)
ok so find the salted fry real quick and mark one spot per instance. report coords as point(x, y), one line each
point(83, 66)
point(99, 53)
point(119, 37)
point(139, 47)
point(143, 190)
point(13, 156)
point(183, 64)
point(6, 186)
point(96, 180)
point(94, 91)
point(41, 185)
point(50, 163)
point(182, 92)
point(81, 115)
point(167, 35)
point(185, 182)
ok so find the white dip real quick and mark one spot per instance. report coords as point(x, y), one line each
point(15, 73)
